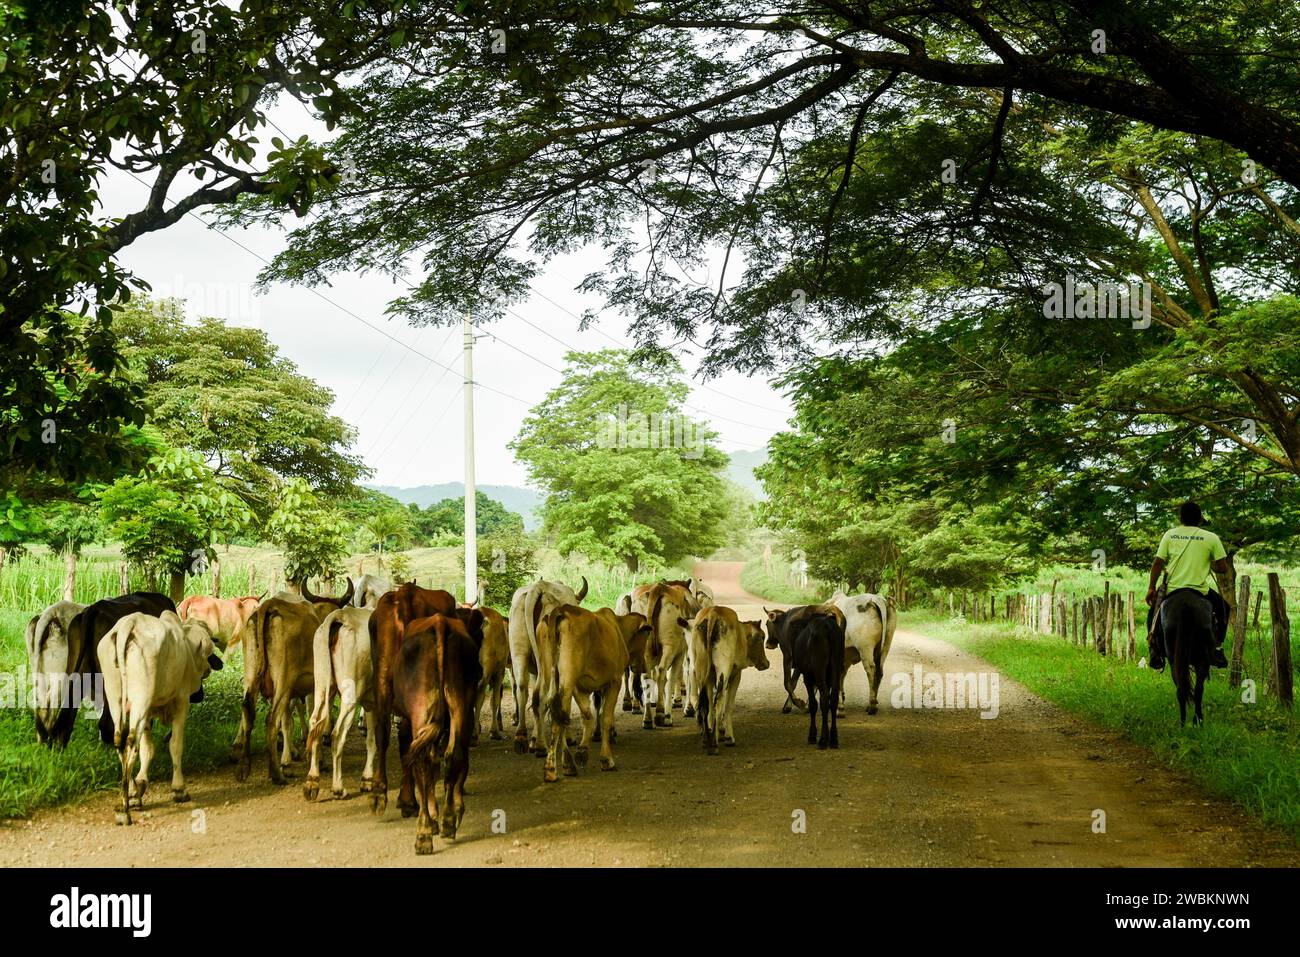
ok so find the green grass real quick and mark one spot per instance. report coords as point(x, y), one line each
point(1247, 752)
point(32, 776)
point(775, 586)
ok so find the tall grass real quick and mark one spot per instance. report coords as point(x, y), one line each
point(1249, 752)
point(779, 585)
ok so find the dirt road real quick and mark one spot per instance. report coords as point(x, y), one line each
point(906, 787)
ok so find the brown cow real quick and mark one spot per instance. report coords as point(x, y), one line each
point(279, 665)
point(434, 683)
point(394, 611)
point(583, 653)
point(666, 654)
point(225, 617)
point(723, 646)
point(494, 658)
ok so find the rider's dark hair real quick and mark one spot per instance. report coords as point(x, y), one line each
point(1189, 513)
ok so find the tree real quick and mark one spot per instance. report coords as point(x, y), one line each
point(313, 535)
point(67, 527)
point(168, 515)
point(389, 526)
point(172, 93)
point(227, 393)
point(628, 478)
point(490, 517)
point(507, 560)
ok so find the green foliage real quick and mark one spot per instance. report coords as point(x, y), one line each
point(448, 515)
point(226, 392)
point(613, 501)
point(390, 528)
point(313, 535)
point(507, 560)
point(167, 516)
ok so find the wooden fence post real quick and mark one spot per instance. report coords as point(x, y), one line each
point(1259, 598)
point(1104, 645)
point(1132, 626)
point(122, 578)
point(1239, 633)
point(1281, 640)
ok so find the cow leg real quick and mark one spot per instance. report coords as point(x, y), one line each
point(840, 696)
point(177, 750)
point(457, 770)
point(126, 754)
point(287, 751)
point(692, 691)
point(835, 726)
point(405, 798)
point(672, 678)
point(146, 758)
point(498, 725)
point(709, 719)
point(537, 742)
point(319, 715)
point(274, 722)
point(638, 693)
point(651, 691)
point(627, 688)
point(588, 725)
point(608, 707)
point(519, 691)
point(812, 709)
point(348, 707)
point(368, 774)
point(423, 775)
point(297, 706)
point(874, 666)
point(1198, 717)
point(480, 698)
point(729, 737)
point(241, 750)
point(825, 691)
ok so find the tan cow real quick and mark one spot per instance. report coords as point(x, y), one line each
point(224, 617)
point(151, 667)
point(583, 654)
point(46, 639)
point(527, 608)
point(665, 659)
point(341, 664)
point(494, 658)
point(279, 666)
point(723, 646)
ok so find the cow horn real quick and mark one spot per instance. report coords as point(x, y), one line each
point(306, 592)
point(347, 596)
point(263, 595)
point(582, 593)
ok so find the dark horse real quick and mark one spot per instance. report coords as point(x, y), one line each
point(1186, 624)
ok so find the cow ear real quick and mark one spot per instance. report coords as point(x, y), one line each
point(683, 622)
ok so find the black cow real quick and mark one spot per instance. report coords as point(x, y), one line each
point(811, 639)
point(84, 632)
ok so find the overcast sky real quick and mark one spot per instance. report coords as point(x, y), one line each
point(405, 405)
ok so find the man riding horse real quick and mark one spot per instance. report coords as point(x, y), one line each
point(1187, 554)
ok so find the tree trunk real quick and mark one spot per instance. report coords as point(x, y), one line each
point(216, 577)
point(69, 574)
point(177, 586)
point(630, 562)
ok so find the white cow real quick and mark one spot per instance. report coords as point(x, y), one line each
point(869, 623)
point(666, 654)
point(46, 640)
point(722, 647)
point(151, 668)
point(341, 663)
point(528, 606)
point(370, 588)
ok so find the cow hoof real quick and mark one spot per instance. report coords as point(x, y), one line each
point(311, 791)
point(495, 735)
point(872, 709)
point(786, 709)
point(637, 709)
point(180, 796)
point(424, 844)
point(549, 775)
point(729, 742)
point(835, 743)
point(242, 770)
point(647, 724)
point(841, 713)
point(627, 705)
point(570, 770)
point(121, 817)
point(581, 756)
point(539, 751)
point(821, 745)
point(367, 785)
point(378, 803)
point(660, 721)
point(339, 793)
point(408, 810)
point(801, 704)
point(521, 745)
point(689, 712)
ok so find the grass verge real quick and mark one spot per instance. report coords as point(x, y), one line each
point(1248, 752)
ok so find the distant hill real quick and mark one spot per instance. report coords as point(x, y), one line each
point(523, 501)
point(741, 470)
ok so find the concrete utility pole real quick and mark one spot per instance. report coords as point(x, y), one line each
point(471, 503)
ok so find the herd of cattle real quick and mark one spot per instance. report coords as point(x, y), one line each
point(416, 655)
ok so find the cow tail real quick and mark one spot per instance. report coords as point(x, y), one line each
point(321, 706)
point(121, 735)
point(656, 646)
point(559, 714)
point(422, 742)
